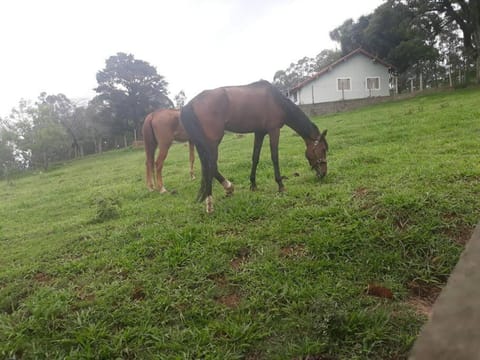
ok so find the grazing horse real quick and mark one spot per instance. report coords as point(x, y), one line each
point(161, 128)
point(259, 108)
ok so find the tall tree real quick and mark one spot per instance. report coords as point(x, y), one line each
point(464, 13)
point(392, 33)
point(350, 35)
point(180, 99)
point(305, 67)
point(48, 139)
point(129, 89)
point(7, 148)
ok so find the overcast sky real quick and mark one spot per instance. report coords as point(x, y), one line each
point(58, 46)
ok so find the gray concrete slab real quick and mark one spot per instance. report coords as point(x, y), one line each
point(453, 331)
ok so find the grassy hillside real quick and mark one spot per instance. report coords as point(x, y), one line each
point(92, 265)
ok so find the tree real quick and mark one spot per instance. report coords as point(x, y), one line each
point(350, 35)
point(180, 99)
point(464, 13)
point(41, 134)
point(129, 89)
point(304, 68)
point(393, 33)
point(7, 149)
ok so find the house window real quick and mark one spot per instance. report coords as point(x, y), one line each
point(373, 83)
point(343, 84)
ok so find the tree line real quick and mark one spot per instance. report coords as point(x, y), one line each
point(54, 128)
point(439, 39)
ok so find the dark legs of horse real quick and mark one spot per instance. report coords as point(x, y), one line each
point(257, 147)
point(274, 137)
point(191, 148)
point(214, 173)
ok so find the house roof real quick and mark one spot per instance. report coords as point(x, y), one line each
point(339, 61)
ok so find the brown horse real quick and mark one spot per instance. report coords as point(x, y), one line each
point(259, 108)
point(161, 128)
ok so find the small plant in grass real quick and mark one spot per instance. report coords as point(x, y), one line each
point(107, 207)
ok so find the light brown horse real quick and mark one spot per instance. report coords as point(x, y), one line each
point(161, 128)
point(259, 108)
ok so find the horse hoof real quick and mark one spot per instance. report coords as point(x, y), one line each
point(209, 205)
point(229, 190)
point(163, 190)
point(192, 177)
point(253, 187)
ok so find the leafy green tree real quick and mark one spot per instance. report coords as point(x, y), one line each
point(465, 14)
point(42, 134)
point(393, 33)
point(180, 99)
point(350, 35)
point(7, 149)
point(304, 68)
point(128, 89)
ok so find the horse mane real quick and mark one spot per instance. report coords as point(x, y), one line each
point(295, 117)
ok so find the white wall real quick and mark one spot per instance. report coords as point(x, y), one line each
point(357, 68)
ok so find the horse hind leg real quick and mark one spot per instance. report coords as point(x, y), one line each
point(227, 185)
point(257, 147)
point(149, 168)
point(191, 150)
point(162, 154)
point(149, 175)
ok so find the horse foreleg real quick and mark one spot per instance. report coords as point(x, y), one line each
point(227, 185)
point(162, 154)
point(274, 139)
point(191, 149)
point(257, 147)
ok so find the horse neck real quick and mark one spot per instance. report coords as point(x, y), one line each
point(308, 132)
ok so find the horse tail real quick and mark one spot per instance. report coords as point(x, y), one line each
point(149, 140)
point(192, 126)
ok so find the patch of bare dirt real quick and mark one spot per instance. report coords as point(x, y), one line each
point(379, 291)
point(459, 234)
point(219, 279)
point(421, 306)
point(88, 297)
point(231, 300)
point(423, 296)
point(138, 293)
point(240, 258)
point(293, 251)
point(360, 192)
point(316, 357)
point(41, 277)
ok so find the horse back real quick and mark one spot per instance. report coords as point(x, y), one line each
point(167, 127)
point(239, 109)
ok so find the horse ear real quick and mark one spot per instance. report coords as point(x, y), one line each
point(324, 133)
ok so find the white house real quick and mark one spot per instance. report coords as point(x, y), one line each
point(357, 75)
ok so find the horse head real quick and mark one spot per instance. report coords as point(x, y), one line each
point(316, 154)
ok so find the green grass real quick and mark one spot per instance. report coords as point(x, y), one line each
point(94, 266)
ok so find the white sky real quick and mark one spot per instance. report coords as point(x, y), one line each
point(58, 46)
